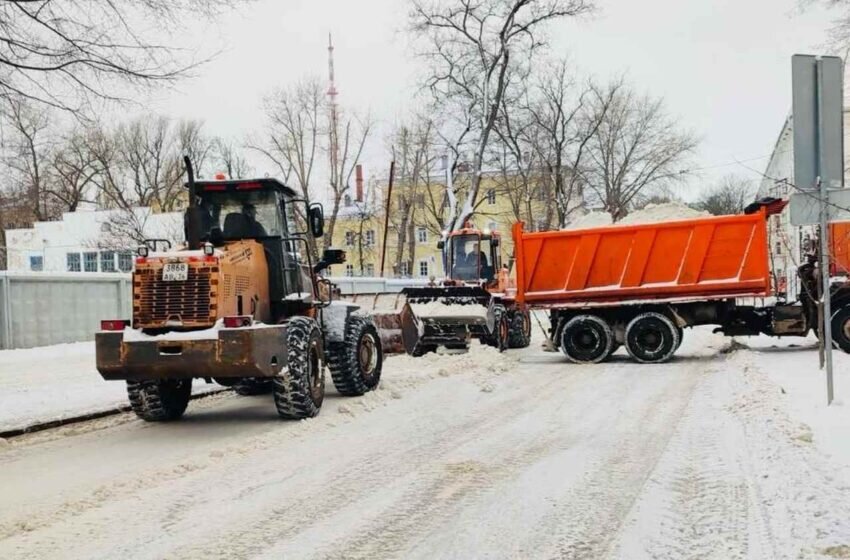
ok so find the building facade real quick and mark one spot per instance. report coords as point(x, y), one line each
point(88, 241)
point(789, 245)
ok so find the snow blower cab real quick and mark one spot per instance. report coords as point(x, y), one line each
point(462, 307)
point(242, 304)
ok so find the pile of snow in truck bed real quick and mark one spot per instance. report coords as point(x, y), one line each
point(651, 214)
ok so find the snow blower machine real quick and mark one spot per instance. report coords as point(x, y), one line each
point(474, 301)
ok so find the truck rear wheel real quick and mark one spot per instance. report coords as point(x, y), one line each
point(356, 362)
point(841, 328)
point(160, 400)
point(651, 338)
point(587, 339)
point(300, 388)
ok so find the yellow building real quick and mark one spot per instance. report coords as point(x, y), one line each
point(416, 217)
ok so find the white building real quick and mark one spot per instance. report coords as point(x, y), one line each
point(88, 241)
point(789, 245)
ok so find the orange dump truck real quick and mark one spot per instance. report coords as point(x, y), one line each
point(640, 285)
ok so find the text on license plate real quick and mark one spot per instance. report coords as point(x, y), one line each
point(175, 272)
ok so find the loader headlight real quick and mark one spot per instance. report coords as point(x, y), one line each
point(209, 250)
point(143, 251)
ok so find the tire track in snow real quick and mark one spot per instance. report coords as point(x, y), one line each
point(700, 502)
point(591, 515)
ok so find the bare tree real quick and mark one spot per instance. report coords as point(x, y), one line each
point(27, 154)
point(636, 147)
point(475, 48)
point(356, 132)
point(73, 170)
point(567, 114)
point(69, 53)
point(414, 152)
point(729, 196)
point(291, 141)
point(230, 159)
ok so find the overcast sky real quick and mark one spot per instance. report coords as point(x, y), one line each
point(723, 66)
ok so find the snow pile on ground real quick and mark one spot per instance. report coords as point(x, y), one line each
point(650, 214)
point(54, 382)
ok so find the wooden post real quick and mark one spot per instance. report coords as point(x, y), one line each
point(387, 217)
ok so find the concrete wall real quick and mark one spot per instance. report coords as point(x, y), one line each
point(40, 309)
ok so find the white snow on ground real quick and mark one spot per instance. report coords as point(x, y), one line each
point(49, 383)
point(724, 453)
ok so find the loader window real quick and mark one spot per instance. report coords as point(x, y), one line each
point(244, 215)
point(471, 258)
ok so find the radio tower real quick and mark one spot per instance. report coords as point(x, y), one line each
point(334, 117)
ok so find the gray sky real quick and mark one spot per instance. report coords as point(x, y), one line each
point(723, 66)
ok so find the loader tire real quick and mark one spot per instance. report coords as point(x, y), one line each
point(520, 330)
point(587, 339)
point(299, 388)
point(499, 338)
point(356, 362)
point(841, 328)
point(652, 338)
point(160, 400)
point(253, 386)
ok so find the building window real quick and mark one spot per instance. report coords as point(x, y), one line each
point(349, 270)
point(540, 225)
point(107, 261)
point(420, 200)
point(404, 269)
point(74, 262)
point(421, 235)
point(370, 238)
point(423, 269)
point(491, 196)
point(370, 269)
point(125, 261)
point(347, 200)
point(37, 263)
point(90, 262)
point(446, 201)
point(349, 239)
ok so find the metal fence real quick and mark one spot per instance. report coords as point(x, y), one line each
point(42, 308)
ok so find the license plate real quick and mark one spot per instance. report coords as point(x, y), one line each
point(175, 272)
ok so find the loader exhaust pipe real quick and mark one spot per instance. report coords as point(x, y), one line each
point(193, 221)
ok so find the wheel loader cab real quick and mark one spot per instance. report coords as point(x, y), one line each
point(474, 256)
point(263, 211)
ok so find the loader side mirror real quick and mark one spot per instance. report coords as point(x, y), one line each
point(317, 220)
point(495, 241)
point(441, 244)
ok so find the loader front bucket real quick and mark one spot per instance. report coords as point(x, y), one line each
point(444, 316)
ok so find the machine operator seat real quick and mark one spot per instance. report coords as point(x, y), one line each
point(237, 226)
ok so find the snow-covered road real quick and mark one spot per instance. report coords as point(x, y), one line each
point(483, 455)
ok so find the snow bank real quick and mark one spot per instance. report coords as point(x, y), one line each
point(589, 220)
point(53, 382)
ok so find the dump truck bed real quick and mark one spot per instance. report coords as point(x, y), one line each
point(701, 258)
